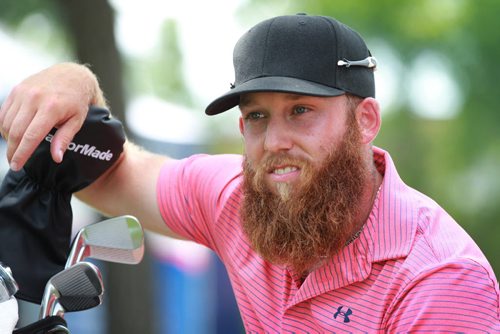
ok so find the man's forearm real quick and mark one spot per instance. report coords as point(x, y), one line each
point(129, 187)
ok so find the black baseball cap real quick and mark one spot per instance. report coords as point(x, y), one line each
point(302, 54)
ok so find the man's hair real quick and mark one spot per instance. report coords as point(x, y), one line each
point(353, 101)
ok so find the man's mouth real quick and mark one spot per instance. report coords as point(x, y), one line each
point(285, 174)
point(284, 170)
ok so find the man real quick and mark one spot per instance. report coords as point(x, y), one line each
point(316, 229)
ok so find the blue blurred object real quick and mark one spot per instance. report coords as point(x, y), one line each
point(183, 300)
point(197, 301)
point(228, 316)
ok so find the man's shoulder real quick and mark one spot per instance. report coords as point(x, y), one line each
point(214, 160)
point(417, 226)
point(208, 166)
point(441, 243)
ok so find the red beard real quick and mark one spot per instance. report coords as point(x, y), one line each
point(313, 219)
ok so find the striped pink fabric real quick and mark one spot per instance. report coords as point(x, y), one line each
point(412, 269)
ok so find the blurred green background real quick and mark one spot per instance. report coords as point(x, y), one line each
point(437, 79)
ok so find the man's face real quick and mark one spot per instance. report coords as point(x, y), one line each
point(282, 129)
point(304, 175)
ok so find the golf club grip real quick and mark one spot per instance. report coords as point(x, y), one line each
point(53, 325)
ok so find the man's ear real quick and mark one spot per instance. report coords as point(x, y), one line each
point(242, 126)
point(368, 118)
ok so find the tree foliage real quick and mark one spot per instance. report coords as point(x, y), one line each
point(13, 12)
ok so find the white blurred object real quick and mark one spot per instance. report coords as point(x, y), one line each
point(9, 315)
point(185, 255)
point(157, 119)
point(12, 72)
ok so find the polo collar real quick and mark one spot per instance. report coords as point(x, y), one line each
point(384, 237)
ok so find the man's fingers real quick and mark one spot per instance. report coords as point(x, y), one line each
point(36, 131)
point(63, 137)
point(30, 140)
point(17, 113)
point(12, 136)
point(4, 107)
point(16, 126)
point(7, 117)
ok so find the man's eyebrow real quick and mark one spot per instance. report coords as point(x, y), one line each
point(245, 100)
point(294, 96)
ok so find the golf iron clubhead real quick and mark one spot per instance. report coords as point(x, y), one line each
point(119, 239)
point(77, 288)
point(8, 286)
point(48, 325)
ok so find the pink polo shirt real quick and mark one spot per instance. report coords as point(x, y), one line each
point(413, 268)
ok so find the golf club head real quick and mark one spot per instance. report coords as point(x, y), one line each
point(119, 239)
point(8, 286)
point(77, 288)
point(59, 329)
point(48, 325)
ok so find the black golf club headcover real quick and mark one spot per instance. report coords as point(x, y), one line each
point(35, 209)
point(53, 324)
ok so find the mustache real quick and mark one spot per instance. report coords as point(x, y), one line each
point(256, 172)
point(273, 160)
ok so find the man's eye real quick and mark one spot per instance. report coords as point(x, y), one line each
point(300, 110)
point(254, 115)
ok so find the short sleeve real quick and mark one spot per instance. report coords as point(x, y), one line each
point(454, 297)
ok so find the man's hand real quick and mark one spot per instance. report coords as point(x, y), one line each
point(55, 97)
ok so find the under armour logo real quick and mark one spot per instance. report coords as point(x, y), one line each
point(345, 314)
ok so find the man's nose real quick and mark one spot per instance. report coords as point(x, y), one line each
point(278, 136)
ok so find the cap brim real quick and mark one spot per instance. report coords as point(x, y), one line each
point(269, 84)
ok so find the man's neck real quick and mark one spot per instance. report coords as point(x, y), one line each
point(370, 192)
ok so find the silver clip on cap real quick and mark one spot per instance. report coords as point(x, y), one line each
point(369, 62)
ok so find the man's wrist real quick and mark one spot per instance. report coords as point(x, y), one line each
point(95, 92)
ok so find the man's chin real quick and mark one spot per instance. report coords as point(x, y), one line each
point(285, 190)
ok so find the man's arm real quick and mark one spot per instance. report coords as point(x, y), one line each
point(129, 187)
